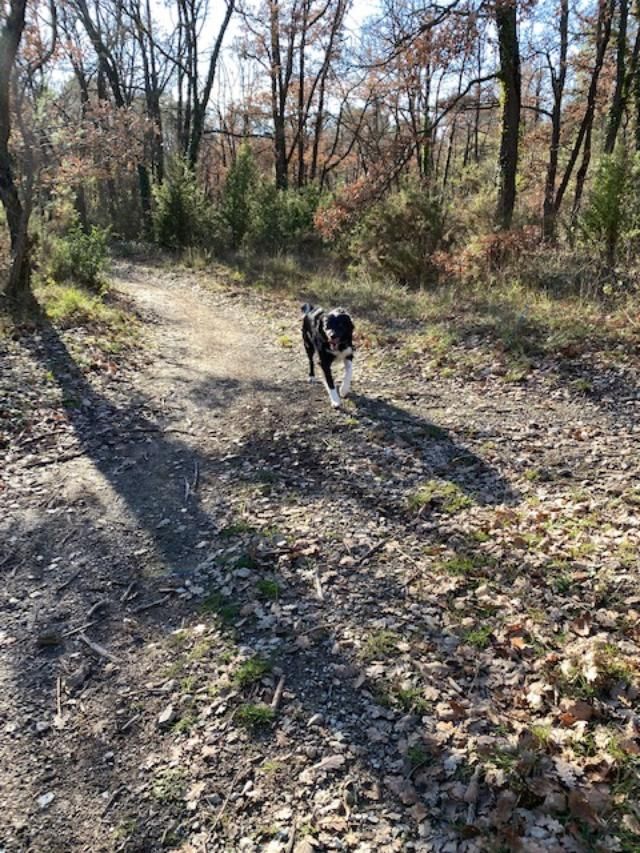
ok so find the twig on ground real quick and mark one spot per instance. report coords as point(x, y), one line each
point(157, 603)
point(113, 798)
point(129, 723)
point(65, 539)
point(59, 697)
point(41, 463)
point(68, 582)
point(98, 649)
point(373, 550)
point(226, 801)
point(318, 585)
point(277, 695)
point(127, 593)
point(292, 836)
point(196, 477)
point(78, 630)
point(99, 605)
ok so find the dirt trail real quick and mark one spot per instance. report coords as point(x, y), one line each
point(219, 531)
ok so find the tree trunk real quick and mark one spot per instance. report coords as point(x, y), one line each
point(278, 100)
point(603, 34)
point(557, 84)
point(618, 100)
point(17, 214)
point(506, 22)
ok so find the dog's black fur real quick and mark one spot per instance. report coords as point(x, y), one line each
point(330, 337)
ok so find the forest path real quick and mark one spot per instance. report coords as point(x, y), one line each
point(313, 627)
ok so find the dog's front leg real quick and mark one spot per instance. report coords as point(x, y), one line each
point(325, 364)
point(346, 381)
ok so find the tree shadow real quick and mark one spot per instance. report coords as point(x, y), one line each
point(153, 477)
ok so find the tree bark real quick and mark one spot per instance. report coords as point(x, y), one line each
point(603, 33)
point(17, 215)
point(558, 79)
point(506, 22)
point(619, 93)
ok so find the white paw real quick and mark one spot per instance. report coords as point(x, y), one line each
point(344, 392)
point(311, 380)
point(335, 399)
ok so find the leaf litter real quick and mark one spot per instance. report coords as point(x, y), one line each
point(451, 673)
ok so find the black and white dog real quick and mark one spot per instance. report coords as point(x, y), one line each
point(330, 336)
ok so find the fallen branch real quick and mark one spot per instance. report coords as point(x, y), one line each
point(129, 723)
point(41, 463)
point(277, 696)
point(98, 649)
point(99, 605)
point(113, 798)
point(78, 630)
point(157, 603)
point(68, 582)
point(226, 801)
point(292, 837)
point(373, 550)
point(318, 585)
point(127, 593)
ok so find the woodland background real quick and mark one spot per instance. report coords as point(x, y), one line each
point(424, 144)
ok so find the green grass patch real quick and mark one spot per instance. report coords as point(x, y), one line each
point(225, 609)
point(251, 671)
point(268, 589)
point(411, 700)
point(169, 786)
point(479, 638)
point(445, 497)
point(255, 717)
point(379, 644)
point(417, 756)
point(238, 528)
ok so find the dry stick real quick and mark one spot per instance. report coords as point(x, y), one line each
point(65, 539)
point(370, 553)
point(68, 582)
point(196, 477)
point(277, 696)
point(59, 696)
point(79, 629)
point(99, 605)
point(226, 801)
point(292, 837)
point(57, 461)
point(129, 723)
point(156, 603)
point(318, 585)
point(113, 798)
point(125, 595)
point(98, 649)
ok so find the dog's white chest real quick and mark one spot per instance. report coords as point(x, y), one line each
point(342, 354)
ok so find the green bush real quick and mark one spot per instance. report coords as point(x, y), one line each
point(602, 221)
point(79, 257)
point(399, 234)
point(280, 220)
point(236, 195)
point(260, 217)
point(183, 217)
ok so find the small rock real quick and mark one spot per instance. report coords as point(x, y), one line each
point(167, 717)
point(45, 800)
point(316, 720)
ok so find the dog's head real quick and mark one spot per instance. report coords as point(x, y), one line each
point(338, 328)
